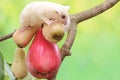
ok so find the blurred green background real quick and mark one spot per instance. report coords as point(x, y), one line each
point(96, 49)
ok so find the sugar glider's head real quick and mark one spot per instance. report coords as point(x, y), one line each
point(59, 13)
point(63, 14)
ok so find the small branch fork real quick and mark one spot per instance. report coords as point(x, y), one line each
point(75, 19)
point(82, 16)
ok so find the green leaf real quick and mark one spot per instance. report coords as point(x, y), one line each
point(1, 67)
point(9, 72)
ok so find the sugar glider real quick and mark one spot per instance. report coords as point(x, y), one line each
point(37, 13)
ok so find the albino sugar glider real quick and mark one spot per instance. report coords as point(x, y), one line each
point(36, 13)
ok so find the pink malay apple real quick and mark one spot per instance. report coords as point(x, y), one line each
point(43, 59)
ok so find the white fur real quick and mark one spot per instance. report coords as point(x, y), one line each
point(36, 13)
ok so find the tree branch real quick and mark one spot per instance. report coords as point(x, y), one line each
point(2, 38)
point(65, 49)
point(79, 17)
point(82, 16)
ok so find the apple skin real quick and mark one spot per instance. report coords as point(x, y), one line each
point(43, 59)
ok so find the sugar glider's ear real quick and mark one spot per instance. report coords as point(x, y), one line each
point(57, 11)
point(67, 7)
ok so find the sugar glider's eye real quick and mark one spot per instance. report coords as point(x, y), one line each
point(63, 16)
point(57, 12)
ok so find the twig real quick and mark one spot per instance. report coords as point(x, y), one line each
point(6, 37)
point(82, 16)
point(65, 49)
